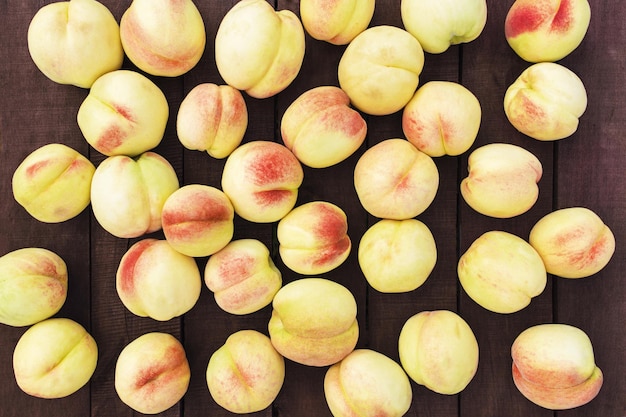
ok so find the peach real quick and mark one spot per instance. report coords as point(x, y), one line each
point(33, 286)
point(197, 220)
point(395, 180)
point(502, 180)
point(262, 178)
point(573, 242)
point(163, 37)
point(128, 194)
point(546, 30)
point(501, 272)
point(212, 118)
point(75, 42)
point(125, 113)
point(367, 383)
point(259, 50)
point(246, 373)
point(397, 255)
point(320, 127)
point(314, 322)
point(154, 280)
point(438, 24)
point(336, 21)
point(53, 183)
point(313, 238)
point(242, 276)
point(380, 68)
point(438, 350)
point(546, 101)
point(554, 366)
point(152, 373)
point(54, 358)
point(442, 118)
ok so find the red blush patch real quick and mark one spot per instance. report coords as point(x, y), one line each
point(128, 265)
point(563, 18)
point(523, 19)
point(110, 139)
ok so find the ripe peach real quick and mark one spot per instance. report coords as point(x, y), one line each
point(152, 373)
point(163, 37)
point(573, 242)
point(259, 50)
point(314, 322)
point(154, 280)
point(442, 118)
point(437, 24)
point(367, 383)
point(54, 358)
point(313, 238)
point(438, 349)
point(336, 21)
point(320, 127)
point(75, 42)
point(546, 101)
point(395, 180)
point(242, 276)
point(397, 255)
point(125, 113)
point(380, 69)
point(53, 183)
point(33, 286)
point(212, 118)
point(546, 30)
point(501, 272)
point(502, 180)
point(197, 220)
point(245, 374)
point(554, 366)
point(262, 178)
point(127, 194)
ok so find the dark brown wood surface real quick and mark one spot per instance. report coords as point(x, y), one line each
point(587, 169)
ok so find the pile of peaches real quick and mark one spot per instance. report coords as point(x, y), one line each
point(259, 52)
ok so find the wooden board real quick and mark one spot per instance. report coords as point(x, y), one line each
point(586, 169)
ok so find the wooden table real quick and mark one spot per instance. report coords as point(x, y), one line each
point(586, 169)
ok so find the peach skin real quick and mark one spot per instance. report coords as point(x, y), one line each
point(336, 21)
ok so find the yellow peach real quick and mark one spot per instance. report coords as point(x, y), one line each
point(152, 373)
point(397, 255)
point(573, 242)
point(442, 118)
point(125, 113)
point(554, 366)
point(75, 42)
point(262, 178)
point(367, 383)
point(53, 183)
point(259, 50)
point(546, 30)
point(438, 24)
point(501, 272)
point(314, 322)
point(246, 373)
point(380, 68)
point(163, 37)
point(33, 286)
point(336, 21)
point(320, 127)
point(197, 220)
point(154, 280)
point(394, 180)
point(438, 349)
point(54, 358)
point(546, 101)
point(212, 118)
point(313, 238)
point(242, 276)
point(502, 180)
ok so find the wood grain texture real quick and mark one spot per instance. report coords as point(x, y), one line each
point(587, 169)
